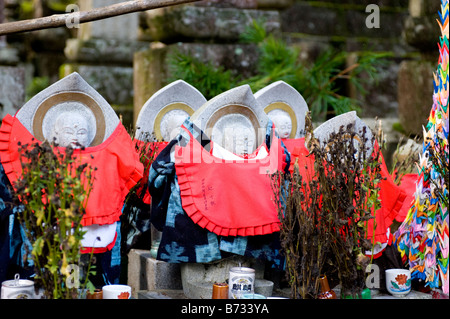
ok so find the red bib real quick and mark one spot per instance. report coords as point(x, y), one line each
point(229, 198)
point(392, 197)
point(117, 163)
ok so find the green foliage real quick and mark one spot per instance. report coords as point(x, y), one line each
point(317, 82)
point(320, 82)
point(59, 5)
point(52, 193)
point(37, 85)
point(254, 34)
point(210, 80)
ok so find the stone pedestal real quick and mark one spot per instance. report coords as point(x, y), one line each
point(148, 274)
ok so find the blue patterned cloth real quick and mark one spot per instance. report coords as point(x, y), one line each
point(13, 242)
point(182, 240)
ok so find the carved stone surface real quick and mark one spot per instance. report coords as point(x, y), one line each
point(166, 110)
point(233, 120)
point(70, 101)
point(285, 106)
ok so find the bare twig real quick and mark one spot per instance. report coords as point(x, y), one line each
point(59, 20)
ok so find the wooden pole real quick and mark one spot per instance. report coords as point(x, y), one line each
point(2, 17)
point(59, 20)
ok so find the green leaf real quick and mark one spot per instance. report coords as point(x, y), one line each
point(37, 247)
point(395, 285)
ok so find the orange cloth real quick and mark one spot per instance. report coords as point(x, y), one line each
point(117, 163)
point(229, 198)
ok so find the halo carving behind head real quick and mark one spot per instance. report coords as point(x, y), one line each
point(70, 94)
point(282, 96)
point(168, 102)
point(240, 109)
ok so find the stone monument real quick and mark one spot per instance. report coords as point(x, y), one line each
point(286, 107)
point(166, 110)
point(71, 112)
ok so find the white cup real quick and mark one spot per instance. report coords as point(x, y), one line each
point(116, 292)
point(398, 282)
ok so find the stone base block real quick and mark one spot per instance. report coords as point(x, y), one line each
point(161, 294)
point(147, 273)
point(203, 290)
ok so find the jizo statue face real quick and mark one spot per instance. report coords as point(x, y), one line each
point(71, 129)
point(283, 123)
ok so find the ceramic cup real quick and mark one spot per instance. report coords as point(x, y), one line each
point(116, 292)
point(398, 282)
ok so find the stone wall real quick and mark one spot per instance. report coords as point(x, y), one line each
point(313, 26)
point(208, 30)
point(125, 57)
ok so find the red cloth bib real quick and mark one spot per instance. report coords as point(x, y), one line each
point(229, 198)
point(392, 197)
point(299, 153)
point(118, 168)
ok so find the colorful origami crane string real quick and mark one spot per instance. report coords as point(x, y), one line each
point(422, 238)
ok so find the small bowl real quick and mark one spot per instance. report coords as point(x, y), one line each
point(116, 292)
point(398, 282)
